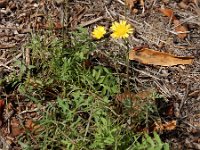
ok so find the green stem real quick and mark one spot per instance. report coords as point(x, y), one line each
point(127, 65)
point(127, 71)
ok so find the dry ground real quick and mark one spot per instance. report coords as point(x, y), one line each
point(180, 85)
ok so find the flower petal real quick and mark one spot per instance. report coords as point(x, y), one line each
point(121, 29)
point(98, 32)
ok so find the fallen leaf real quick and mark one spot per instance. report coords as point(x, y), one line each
point(183, 5)
point(130, 3)
point(158, 126)
point(170, 110)
point(33, 127)
point(141, 95)
point(177, 24)
point(16, 128)
point(168, 126)
point(167, 12)
point(58, 25)
point(180, 28)
point(29, 124)
point(134, 102)
point(123, 96)
point(2, 104)
point(150, 56)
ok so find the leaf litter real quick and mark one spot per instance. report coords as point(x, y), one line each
point(179, 28)
point(150, 56)
point(151, 28)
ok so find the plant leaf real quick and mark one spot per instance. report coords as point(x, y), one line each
point(150, 56)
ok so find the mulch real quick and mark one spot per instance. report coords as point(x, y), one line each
point(180, 85)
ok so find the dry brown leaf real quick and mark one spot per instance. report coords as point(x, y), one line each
point(168, 126)
point(16, 128)
point(2, 104)
point(138, 96)
point(141, 95)
point(33, 127)
point(29, 124)
point(180, 28)
point(134, 101)
point(124, 96)
point(150, 56)
point(167, 12)
point(170, 110)
point(58, 25)
point(130, 3)
point(183, 5)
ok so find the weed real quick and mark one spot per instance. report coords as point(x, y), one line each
point(80, 116)
point(149, 143)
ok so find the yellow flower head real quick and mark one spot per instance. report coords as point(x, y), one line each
point(121, 29)
point(98, 32)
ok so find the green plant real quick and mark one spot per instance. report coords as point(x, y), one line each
point(149, 143)
point(80, 92)
point(80, 115)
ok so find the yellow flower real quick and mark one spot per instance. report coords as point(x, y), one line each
point(98, 32)
point(121, 29)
